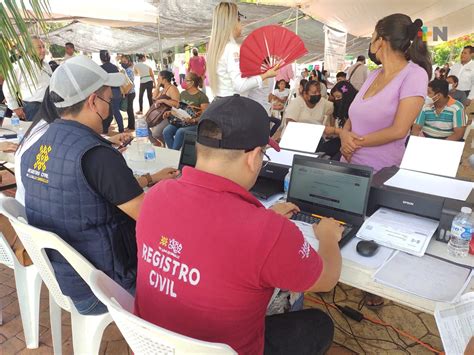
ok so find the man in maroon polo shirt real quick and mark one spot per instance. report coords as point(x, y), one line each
point(210, 255)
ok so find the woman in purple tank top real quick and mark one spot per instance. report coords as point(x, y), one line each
point(388, 103)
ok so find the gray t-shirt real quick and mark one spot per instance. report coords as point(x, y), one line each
point(458, 95)
point(144, 72)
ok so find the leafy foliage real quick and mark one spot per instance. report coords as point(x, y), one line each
point(450, 51)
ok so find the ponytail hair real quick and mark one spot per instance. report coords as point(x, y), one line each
point(169, 76)
point(404, 36)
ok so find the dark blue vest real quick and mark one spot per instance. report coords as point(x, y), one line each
point(58, 198)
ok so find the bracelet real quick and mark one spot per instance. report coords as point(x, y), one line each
point(149, 180)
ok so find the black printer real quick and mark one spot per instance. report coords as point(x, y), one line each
point(435, 207)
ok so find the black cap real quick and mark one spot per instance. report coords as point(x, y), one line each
point(244, 124)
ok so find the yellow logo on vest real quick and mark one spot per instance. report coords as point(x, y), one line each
point(38, 172)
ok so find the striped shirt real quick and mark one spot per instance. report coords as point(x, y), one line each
point(442, 125)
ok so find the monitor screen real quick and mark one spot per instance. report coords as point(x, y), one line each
point(343, 188)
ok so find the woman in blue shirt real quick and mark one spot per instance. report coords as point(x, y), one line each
point(130, 96)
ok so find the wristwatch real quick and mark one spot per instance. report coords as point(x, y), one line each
point(149, 180)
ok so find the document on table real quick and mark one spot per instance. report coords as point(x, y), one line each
point(284, 156)
point(426, 276)
point(456, 323)
point(431, 184)
point(349, 252)
point(277, 198)
point(432, 156)
point(398, 230)
point(304, 137)
point(308, 233)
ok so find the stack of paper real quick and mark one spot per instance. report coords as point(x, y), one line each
point(456, 324)
point(398, 230)
point(427, 277)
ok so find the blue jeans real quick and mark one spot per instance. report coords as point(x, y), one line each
point(31, 109)
point(92, 306)
point(174, 136)
point(114, 112)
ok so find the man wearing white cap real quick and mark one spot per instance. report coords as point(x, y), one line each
point(78, 186)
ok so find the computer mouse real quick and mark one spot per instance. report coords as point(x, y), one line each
point(367, 248)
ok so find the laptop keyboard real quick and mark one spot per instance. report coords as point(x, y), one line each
point(304, 217)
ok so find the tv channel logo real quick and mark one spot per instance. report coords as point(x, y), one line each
point(437, 34)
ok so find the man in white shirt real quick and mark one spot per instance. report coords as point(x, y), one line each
point(31, 90)
point(465, 74)
point(70, 51)
point(357, 73)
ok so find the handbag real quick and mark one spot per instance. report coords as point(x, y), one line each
point(125, 88)
point(154, 116)
point(189, 112)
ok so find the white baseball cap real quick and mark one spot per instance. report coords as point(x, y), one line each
point(76, 79)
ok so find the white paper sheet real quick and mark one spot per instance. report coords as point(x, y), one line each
point(456, 324)
point(432, 156)
point(284, 157)
point(431, 184)
point(304, 137)
point(426, 276)
point(273, 200)
point(308, 233)
point(398, 230)
point(349, 252)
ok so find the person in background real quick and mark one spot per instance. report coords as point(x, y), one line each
point(464, 71)
point(69, 51)
point(304, 76)
point(442, 74)
point(442, 116)
point(261, 95)
point(447, 69)
point(454, 92)
point(147, 82)
point(169, 95)
point(341, 76)
point(379, 122)
point(278, 98)
point(343, 94)
point(8, 112)
point(174, 135)
point(127, 65)
point(232, 301)
point(88, 194)
point(301, 87)
point(182, 72)
point(31, 87)
point(437, 72)
point(116, 95)
point(357, 73)
point(223, 54)
point(322, 86)
point(197, 65)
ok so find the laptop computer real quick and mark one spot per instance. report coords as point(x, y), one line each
point(188, 151)
point(271, 177)
point(329, 188)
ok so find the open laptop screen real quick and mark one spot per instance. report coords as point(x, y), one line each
point(329, 184)
point(188, 152)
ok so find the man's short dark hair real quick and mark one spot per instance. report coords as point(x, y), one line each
point(455, 78)
point(69, 44)
point(471, 48)
point(140, 56)
point(74, 109)
point(361, 58)
point(341, 74)
point(439, 86)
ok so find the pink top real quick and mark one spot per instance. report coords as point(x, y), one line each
point(378, 112)
point(197, 64)
point(285, 73)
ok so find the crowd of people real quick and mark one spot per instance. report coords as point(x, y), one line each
point(219, 263)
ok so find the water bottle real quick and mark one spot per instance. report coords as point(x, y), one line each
point(149, 152)
point(20, 134)
point(286, 182)
point(461, 233)
point(15, 122)
point(141, 132)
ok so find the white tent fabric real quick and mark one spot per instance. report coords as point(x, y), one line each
point(359, 17)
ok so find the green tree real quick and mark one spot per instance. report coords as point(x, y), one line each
point(451, 50)
point(17, 24)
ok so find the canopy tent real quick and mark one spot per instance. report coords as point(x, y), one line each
point(359, 17)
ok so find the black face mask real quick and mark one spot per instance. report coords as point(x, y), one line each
point(125, 66)
point(314, 99)
point(373, 57)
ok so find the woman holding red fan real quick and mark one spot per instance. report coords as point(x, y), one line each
point(223, 54)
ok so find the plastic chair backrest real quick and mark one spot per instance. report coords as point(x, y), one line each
point(6, 253)
point(36, 241)
point(144, 337)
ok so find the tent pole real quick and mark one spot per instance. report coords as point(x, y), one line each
point(159, 34)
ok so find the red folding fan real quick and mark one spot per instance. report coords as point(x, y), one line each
point(267, 47)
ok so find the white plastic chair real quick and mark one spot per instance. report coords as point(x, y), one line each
point(144, 337)
point(87, 331)
point(28, 288)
